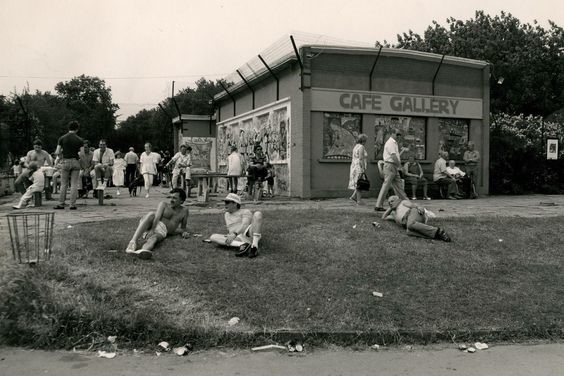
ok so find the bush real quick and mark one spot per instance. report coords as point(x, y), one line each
point(518, 163)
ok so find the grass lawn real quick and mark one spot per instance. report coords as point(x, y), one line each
point(501, 279)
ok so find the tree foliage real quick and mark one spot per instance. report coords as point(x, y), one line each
point(529, 58)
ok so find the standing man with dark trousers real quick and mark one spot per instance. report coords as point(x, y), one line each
point(392, 165)
point(69, 146)
point(131, 159)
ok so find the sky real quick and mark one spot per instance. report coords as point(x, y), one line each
point(140, 47)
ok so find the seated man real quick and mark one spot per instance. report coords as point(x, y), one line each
point(103, 160)
point(38, 179)
point(155, 226)
point(462, 180)
point(443, 178)
point(256, 171)
point(413, 218)
point(414, 176)
point(243, 228)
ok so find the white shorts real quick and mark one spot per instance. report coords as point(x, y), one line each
point(160, 230)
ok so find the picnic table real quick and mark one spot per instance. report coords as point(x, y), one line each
point(205, 181)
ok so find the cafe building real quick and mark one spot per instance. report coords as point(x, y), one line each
point(307, 107)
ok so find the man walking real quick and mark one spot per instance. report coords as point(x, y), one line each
point(69, 146)
point(392, 164)
point(131, 159)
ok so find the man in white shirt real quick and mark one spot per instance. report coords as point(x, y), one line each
point(392, 165)
point(103, 160)
point(443, 178)
point(180, 162)
point(131, 159)
point(243, 226)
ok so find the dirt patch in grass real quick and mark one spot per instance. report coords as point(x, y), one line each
point(315, 276)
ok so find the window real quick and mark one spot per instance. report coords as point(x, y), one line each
point(453, 137)
point(414, 135)
point(340, 132)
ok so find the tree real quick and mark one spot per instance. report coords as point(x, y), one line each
point(90, 102)
point(528, 57)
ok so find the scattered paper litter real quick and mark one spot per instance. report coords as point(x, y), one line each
point(164, 345)
point(299, 348)
point(375, 347)
point(180, 351)
point(462, 347)
point(268, 347)
point(108, 355)
point(233, 321)
point(471, 350)
point(480, 346)
point(378, 294)
point(376, 224)
point(354, 226)
point(197, 235)
point(69, 226)
point(112, 339)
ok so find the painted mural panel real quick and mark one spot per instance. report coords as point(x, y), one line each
point(269, 128)
point(203, 152)
point(340, 132)
point(453, 137)
point(414, 135)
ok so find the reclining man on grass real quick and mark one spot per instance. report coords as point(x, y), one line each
point(243, 228)
point(413, 218)
point(155, 226)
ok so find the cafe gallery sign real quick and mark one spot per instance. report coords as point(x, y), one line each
point(395, 104)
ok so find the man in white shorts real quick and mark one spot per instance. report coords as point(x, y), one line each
point(155, 226)
point(243, 228)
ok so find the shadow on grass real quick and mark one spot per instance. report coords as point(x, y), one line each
point(501, 279)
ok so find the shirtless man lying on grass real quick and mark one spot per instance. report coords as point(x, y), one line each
point(155, 226)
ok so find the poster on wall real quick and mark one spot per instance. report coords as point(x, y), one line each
point(414, 135)
point(552, 149)
point(203, 153)
point(268, 127)
point(453, 137)
point(340, 132)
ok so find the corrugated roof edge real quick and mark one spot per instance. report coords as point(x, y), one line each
point(348, 50)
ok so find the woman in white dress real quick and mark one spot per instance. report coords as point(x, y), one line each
point(234, 169)
point(358, 166)
point(149, 161)
point(118, 174)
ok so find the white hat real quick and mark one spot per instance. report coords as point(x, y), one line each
point(233, 197)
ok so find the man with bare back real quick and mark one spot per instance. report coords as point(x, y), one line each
point(155, 226)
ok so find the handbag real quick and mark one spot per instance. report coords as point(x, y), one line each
point(363, 184)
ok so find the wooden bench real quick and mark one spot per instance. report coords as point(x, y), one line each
point(205, 181)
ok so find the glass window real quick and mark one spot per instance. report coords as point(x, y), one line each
point(453, 137)
point(414, 135)
point(340, 132)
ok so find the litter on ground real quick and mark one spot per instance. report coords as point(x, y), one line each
point(480, 346)
point(268, 347)
point(233, 321)
point(107, 355)
point(378, 294)
point(164, 345)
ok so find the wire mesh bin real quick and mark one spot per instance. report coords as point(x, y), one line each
point(31, 236)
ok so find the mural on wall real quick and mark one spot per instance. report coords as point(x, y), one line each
point(270, 129)
point(453, 137)
point(203, 150)
point(414, 135)
point(340, 132)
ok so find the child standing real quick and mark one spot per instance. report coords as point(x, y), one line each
point(119, 171)
point(38, 183)
point(271, 174)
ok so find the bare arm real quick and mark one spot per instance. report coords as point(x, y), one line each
point(183, 223)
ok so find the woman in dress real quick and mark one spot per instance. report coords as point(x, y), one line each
point(358, 166)
point(149, 161)
point(119, 171)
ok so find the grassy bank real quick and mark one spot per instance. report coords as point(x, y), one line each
point(501, 278)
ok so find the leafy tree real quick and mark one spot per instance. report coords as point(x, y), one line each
point(528, 57)
point(90, 102)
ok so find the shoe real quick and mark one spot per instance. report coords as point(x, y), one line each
point(72, 207)
point(17, 207)
point(59, 206)
point(442, 235)
point(427, 198)
point(253, 252)
point(28, 206)
point(103, 185)
point(117, 193)
point(379, 209)
point(452, 198)
point(144, 254)
point(243, 250)
point(413, 198)
point(147, 195)
point(131, 247)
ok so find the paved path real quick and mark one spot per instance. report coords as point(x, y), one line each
point(516, 360)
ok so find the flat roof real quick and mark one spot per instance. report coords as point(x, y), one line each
point(187, 117)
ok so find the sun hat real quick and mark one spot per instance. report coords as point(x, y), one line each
point(233, 197)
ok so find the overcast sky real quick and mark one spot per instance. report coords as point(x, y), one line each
point(139, 47)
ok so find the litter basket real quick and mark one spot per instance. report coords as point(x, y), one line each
point(31, 236)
